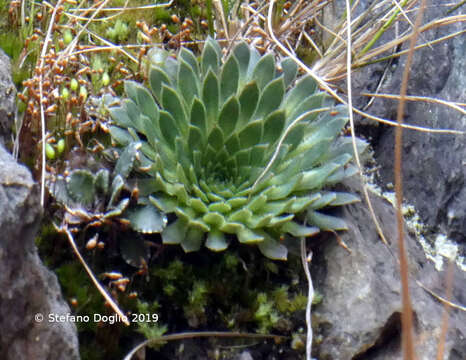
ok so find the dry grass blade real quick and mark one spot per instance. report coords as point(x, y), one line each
point(407, 314)
point(107, 297)
point(455, 106)
point(310, 296)
point(47, 40)
point(441, 299)
point(446, 308)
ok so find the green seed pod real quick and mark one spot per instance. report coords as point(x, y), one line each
point(60, 146)
point(83, 93)
point(67, 37)
point(74, 84)
point(65, 94)
point(105, 79)
point(49, 151)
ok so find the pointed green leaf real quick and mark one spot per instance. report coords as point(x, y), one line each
point(216, 241)
point(232, 144)
point(242, 55)
point(251, 135)
point(157, 77)
point(229, 78)
point(120, 117)
point(167, 204)
point(247, 236)
point(304, 88)
point(116, 188)
point(290, 70)
point(311, 103)
point(215, 139)
point(80, 187)
point(210, 58)
point(273, 249)
point(214, 219)
point(147, 219)
point(257, 155)
point(195, 139)
point(248, 102)
point(126, 160)
point(168, 128)
point(325, 199)
point(143, 99)
point(189, 57)
point(314, 179)
point(299, 230)
point(344, 198)
point(187, 82)
point(102, 181)
point(175, 232)
point(198, 116)
point(295, 135)
point(326, 222)
point(120, 135)
point(274, 125)
point(198, 205)
point(264, 72)
point(240, 216)
point(210, 97)
point(220, 207)
point(193, 239)
point(228, 117)
point(270, 98)
point(172, 104)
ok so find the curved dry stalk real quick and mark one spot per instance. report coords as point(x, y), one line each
point(407, 313)
point(47, 40)
point(310, 296)
point(446, 310)
point(441, 299)
point(450, 104)
point(395, 42)
point(109, 44)
point(99, 287)
point(403, 52)
point(198, 334)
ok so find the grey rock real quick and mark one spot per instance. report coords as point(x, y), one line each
point(28, 288)
point(7, 99)
point(359, 317)
point(434, 168)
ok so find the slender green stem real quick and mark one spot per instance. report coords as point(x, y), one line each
point(381, 30)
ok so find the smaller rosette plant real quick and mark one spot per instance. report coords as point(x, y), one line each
point(236, 149)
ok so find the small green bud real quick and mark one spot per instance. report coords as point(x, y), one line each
point(105, 79)
point(65, 94)
point(74, 84)
point(61, 146)
point(49, 151)
point(83, 93)
point(67, 37)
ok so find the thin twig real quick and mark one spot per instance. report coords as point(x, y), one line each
point(104, 293)
point(41, 97)
point(441, 299)
point(310, 296)
point(407, 314)
point(446, 310)
point(450, 104)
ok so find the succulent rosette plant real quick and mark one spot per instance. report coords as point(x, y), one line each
point(237, 149)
